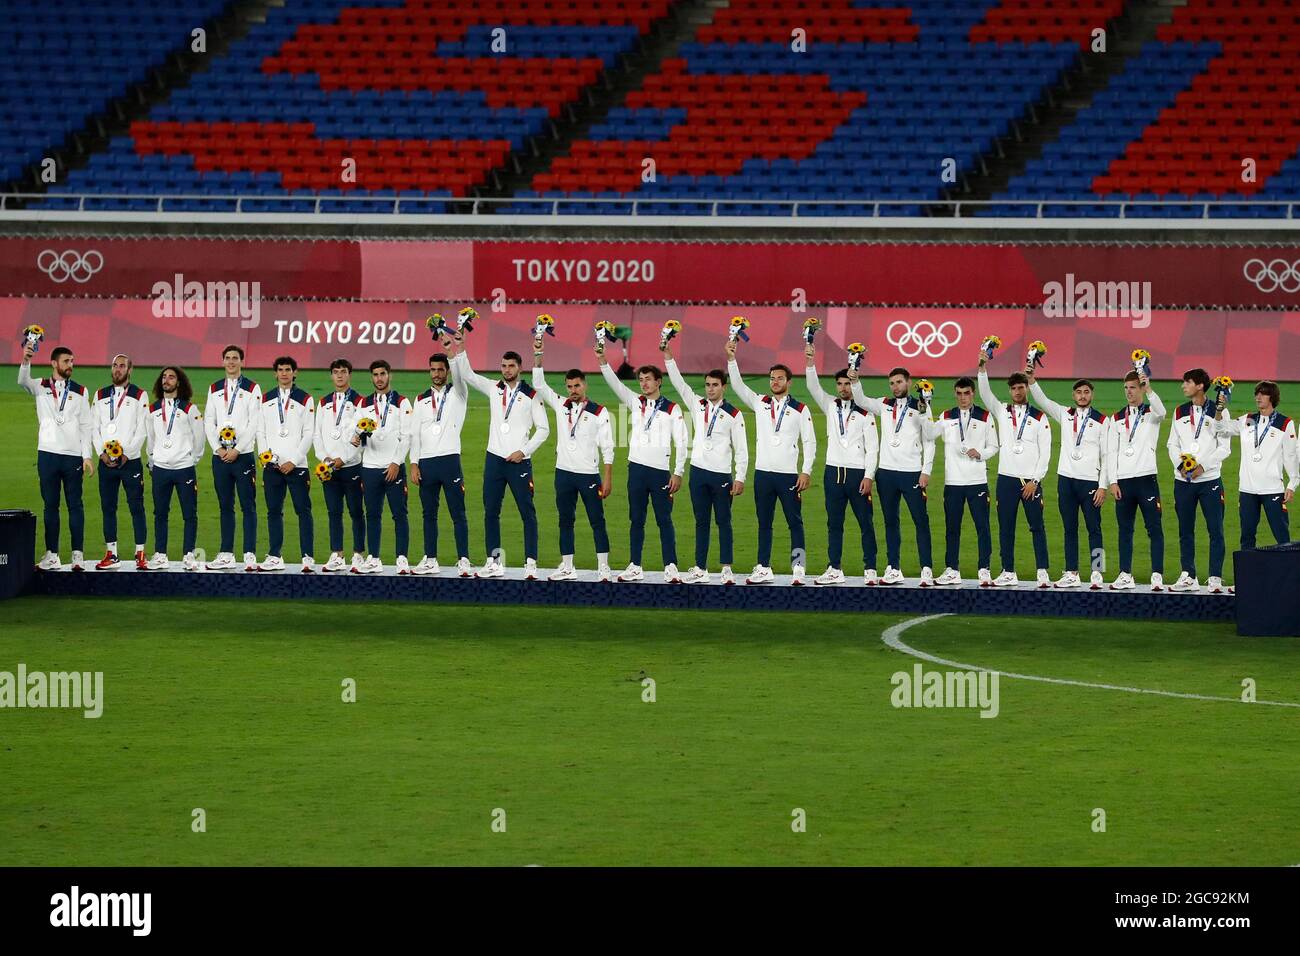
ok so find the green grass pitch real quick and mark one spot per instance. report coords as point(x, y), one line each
point(236, 708)
point(18, 478)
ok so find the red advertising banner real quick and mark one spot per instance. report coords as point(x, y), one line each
point(935, 275)
point(937, 342)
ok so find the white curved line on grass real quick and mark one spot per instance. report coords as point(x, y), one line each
point(891, 637)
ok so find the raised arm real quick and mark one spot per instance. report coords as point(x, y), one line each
point(30, 385)
point(621, 391)
point(819, 396)
point(1054, 411)
point(991, 401)
point(743, 392)
point(545, 391)
point(1157, 406)
point(874, 405)
point(465, 372)
point(688, 397)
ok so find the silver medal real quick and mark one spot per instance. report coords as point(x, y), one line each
point(59, 419)
point(110, 428)
point(645, 439)
point(505, 428)
point(573, 446)
point(1077, 455)
point(436, 429)
point(1018, 448)
point(284, 432)
point(1257, 457)
point(708, 446)
point(167, 443)
point(1194, 447)
point(228, 425)
point(844, 443)
point(1130, 452)
point(336, 434)
point(894, 443)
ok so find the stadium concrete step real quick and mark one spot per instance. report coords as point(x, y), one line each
point(679, 25)
point(1042, 122)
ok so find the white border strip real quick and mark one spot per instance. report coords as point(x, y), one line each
point(938, 224)
point(892, 637)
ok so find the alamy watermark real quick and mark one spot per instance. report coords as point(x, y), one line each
point(922, 688)
point(75, 690)
point(1084, 299)
point(179, 299)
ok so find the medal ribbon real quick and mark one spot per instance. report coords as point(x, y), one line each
point(573, 423)
point(112, 412)
point(230, 402)
point(652, 414)
point(339, 406)
point(54, 392)
point(1199, 424)
point(1023, 422)
point(711, 422)
point(440, 405)
point(898, 422)
point(1078, 432)
point(839, 415)
point(172, 423)
point(771, 407)
point(1268, 423)
point(505, 388)
point(1133, 431)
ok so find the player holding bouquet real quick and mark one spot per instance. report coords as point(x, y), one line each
point(1198, 449)
point(285, 430)
point(120, 414)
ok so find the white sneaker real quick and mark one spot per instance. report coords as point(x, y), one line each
point(1157, 582)
point(1214, 585)
point(308, 564)
point(1185, 582)
point(949, 578)
point(491, 569)
point(250, 561)
point(796, 575)
point(49, 562)
point(358, 561)
point(985, 578)
point(565, 572)
point(273, 562)
point(463, 568)
point(78, 562)
point(1096, 582)
point(222, 562)
point(372, 565)
point(870, 578)
point(696, 575)
point(671, 574)
point(727, 576)
point(335, 563)
point(761, 575)
point(530, 569)
point(602, 574)
point(927, 578)
point(189, 562)
point(402, 565)
point(832, 575)
point(1044, 579)
point(427, 565)
point(158, 562)
point(1007, 579)
point(1070, 579)
point(1124, 582)
point(632, 572)
point(892, 576)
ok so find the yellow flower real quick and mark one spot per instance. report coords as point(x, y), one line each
point(266, 457)
point(740, 320)
point(607, 326)
point(812, 323)
point(992, 340)
point(113, 448)
point(34, 330)
point(324, 471)
point(1039, 346)
point(1223, 382)
point(673, 325)
point(1187, 463)
point(435, 321)
point(545, 319)
point(468, 313)
point(227, 434)
point(857, 348)
point(924, 385)
point(1141, 355)
point(366, 426)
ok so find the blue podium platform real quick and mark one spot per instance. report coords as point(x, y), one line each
point(290, 584)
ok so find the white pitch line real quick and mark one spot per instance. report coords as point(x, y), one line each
point(891, 637)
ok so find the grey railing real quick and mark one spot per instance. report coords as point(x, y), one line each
point(550, 205)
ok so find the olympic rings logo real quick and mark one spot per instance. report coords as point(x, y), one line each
point(925, 337)
point(74, 265)
point(1272, 276)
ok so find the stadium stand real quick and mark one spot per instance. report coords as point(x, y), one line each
point(739, 118)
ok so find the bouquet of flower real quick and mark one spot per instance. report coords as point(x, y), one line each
point(1223, 388)
point(113, 449)
point(991, 344)
point(269, 457)
point(1142, 362)
point(810, 327)
point(226, 437)
point(32, 336)
point(1037, 349)
point(603, 331)
point(324, 470)
point(669, 332)
point(466, 317)
point(437, 326)
point(856, 351)
point(925, 390)
point(544, 325)
point(1187, 464)
point(365, 428)
point(737, 330)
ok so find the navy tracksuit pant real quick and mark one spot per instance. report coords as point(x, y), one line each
point(1075, 495)
point(956, 500)
point(184, 481)
point(498, 474)
point(61, 474)
point(711, 501)
point(297, 484)
point(1274, 509)
point(1208, 496)
point(129, 477)
point(375, 490)
point(891, 486)
point(229, 478)
point(345, 486)
point(769, 488)
point(1141, 492)
point(841, 487)
point(443, 476)
point(569, 487)
point(646, 487)
point(1009, 502)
